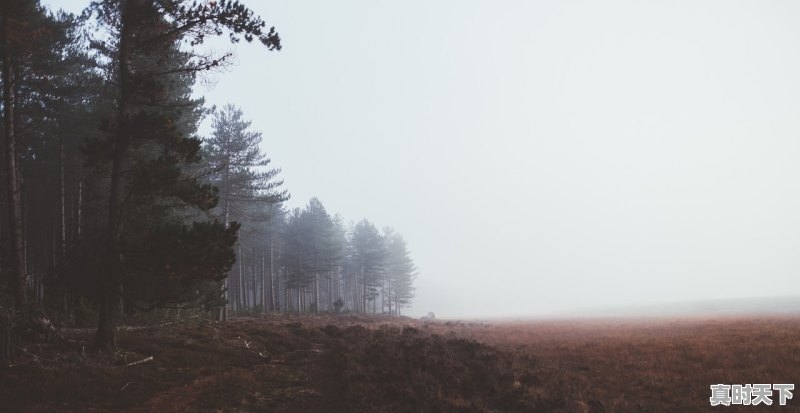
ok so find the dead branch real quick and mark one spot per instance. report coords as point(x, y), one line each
point(145, 360)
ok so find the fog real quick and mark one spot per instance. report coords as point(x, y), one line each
point(543, 156)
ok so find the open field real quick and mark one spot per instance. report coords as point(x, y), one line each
point(373, 364)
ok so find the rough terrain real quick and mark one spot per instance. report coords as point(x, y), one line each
point(374, 364)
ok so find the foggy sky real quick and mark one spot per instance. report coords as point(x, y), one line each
point(543, 156)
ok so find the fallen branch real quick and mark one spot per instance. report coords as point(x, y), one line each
point(145, 360)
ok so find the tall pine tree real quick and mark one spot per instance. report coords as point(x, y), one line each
point(149, 191)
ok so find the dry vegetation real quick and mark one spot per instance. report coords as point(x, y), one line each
point(371, 364)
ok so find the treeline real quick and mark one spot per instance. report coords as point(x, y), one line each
point(300, 260)
point(115, 205)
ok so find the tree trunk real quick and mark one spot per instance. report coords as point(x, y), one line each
point(16, 256)
point(389, 292)
point(286, 290)
point(62, 250)
point(330, 291)
point(8, 337)
point(263, 284)
point(272, 281)
point(226, 294)
point(255, 285)
point(105, 339)
point(316, 293)
point(241, 288)
point(80, 207)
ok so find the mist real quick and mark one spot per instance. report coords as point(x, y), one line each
point(542, 157)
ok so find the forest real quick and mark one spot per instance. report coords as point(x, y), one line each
point(115, 206)
point(601, 196)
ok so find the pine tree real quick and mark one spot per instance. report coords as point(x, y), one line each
point(238, 167)
point(370, 260)
point(401, 272)
point(324, 250)
point(248, 187)
point(146, 150)
point(295, 256)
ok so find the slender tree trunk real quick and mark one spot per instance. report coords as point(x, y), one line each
point(364, 291)
point(272, 280)
point(316, 292)
point(263, 285)
point(19, 274)
point(62, 251)
point(105, 339)
point(80, 208)
point(240, 287)
point(330, 291)
point(255, 285)
point(389, 291)
point(286, 291)
point(58, 261)
point(226, 294)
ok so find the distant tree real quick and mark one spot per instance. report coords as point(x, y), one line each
point(312, 247)
point(335, 277)
point(370, 261)
point(294, 257)
point(248, 187)
point(401, 272)
point(271, 231)
point(238, 167)
point(324, 247)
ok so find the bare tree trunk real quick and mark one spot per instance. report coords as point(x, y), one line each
point(255, 284)
point(241, 288)
point(62, 251)
point(223, 312)
point(105, 339)
point(272, 280)
point(286, 292)
point(80, 208)
point(263, 275)
point(389, 291)
point(19, 274)
point(316, 292)
point(8, 337)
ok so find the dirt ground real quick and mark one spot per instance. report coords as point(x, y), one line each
point(374, 364)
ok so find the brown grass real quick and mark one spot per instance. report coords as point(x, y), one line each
point(654, 365)
point(373, 364)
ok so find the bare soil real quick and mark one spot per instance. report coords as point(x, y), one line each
point(376, 364)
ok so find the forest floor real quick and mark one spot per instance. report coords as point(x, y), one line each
point(354, 363)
